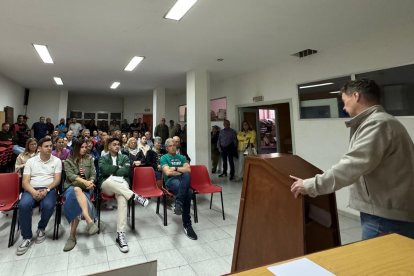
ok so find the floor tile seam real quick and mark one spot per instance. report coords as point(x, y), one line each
point(98, 263)
point(12, 261)
point(179, 267)
point(148, 259)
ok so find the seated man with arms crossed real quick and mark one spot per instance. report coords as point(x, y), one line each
point(114, 170)
point(177, 179)
point(40, 177)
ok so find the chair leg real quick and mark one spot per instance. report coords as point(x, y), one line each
point(133, 214)
point(222, 205)
point(164, 199)
point(195, 208)
point(98, 210)
point(56, 225)
point(13, 227)
point(157, 211)
point(211, 199)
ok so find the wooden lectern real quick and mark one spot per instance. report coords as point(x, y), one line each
point(273, 225)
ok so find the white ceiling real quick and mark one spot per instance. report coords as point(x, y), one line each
point(92, 41)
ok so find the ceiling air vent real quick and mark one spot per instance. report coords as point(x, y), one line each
point(305, 53)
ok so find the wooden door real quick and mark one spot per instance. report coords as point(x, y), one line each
point(147, 118)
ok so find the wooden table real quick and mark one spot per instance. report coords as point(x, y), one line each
point(387, 255)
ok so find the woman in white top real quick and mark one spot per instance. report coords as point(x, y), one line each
point(29, 152)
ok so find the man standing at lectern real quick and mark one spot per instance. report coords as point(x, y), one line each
point(379, 165)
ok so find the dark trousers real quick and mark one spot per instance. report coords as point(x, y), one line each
point(180, 187)
point(215, 155)
point(228, 153)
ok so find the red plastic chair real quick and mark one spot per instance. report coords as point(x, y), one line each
point(201, 184)
point(9, 199)
point(99, 198)
point(145, 184)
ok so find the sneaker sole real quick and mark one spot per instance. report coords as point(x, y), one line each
point(123, 250)
point(37, 241)
point(191, 238)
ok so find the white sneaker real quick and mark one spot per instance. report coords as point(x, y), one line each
point(141, 200)
point(121, 242)
point(24, 246)
point(41, 236)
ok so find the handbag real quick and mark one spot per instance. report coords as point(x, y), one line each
point(250, 150)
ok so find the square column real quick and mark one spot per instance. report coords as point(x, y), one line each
point(198, 117)
point(158, 106)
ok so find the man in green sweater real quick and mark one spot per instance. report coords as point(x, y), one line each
point(114, 171)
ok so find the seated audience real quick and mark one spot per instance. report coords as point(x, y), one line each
point(154, 156)
point(79, 186)
point(124, 140)
point(180, 150)
point(5, 133)
point(21, 133)
point(125, 126)
point(61, 128)
point(114, 171)
point(150, 141)
point(143, 147)
point(75, 127)
point(177, 179)
point(131, 150)
point(60, 150)
point(41, 176)
point(50, 126)
point(71, 140)
point(29, 151)
point(39, 129)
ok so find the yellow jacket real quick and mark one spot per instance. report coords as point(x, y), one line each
point(245, 138)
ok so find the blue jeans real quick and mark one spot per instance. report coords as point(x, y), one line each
point(180, 187)
point(373, 226)
point(26, 205)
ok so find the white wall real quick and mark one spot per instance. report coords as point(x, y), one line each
point(321, 141)
point(172, 101)
point(137, 104)
point(44, 103)
point(11, 94)
point(95, 103)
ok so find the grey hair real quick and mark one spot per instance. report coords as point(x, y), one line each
point(158, 139)
point(168, 141)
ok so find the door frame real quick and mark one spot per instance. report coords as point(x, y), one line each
point(240, 107)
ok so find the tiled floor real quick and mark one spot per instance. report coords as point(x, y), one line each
point(211, 254)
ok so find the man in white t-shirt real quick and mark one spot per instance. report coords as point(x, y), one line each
point(75, 127)
point(40, 178)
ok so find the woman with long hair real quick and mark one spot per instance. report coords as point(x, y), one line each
point(246, 137)
point(79, 185)
point(29, 151)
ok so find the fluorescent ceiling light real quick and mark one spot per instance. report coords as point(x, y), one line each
point(58, 80)
point(133, 63)
point(115, 85)
point(335, 92)
point(180, 8)
point(316, 85)
point(43, 53)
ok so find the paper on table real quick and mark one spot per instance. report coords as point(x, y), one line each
point(299, 267)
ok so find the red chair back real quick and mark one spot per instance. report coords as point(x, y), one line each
point(9, 187)
point(199, 177)
point(145, 183)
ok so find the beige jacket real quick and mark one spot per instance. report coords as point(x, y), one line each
point(379, 164)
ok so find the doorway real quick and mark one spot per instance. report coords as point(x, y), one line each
point(272, 124)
